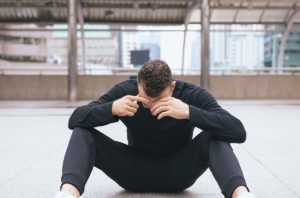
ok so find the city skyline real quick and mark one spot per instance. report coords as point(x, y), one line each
point(231, 46)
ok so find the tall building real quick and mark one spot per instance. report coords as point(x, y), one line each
point(23, 46)
point(231, 48)
point(245, 49)
point(150, 41)
point(129, 41)
point(52, 47)
point(218, 52)
point(195, 54)
point(100, 50)
point(292, 51)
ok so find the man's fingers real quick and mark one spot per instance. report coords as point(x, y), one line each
point(166, 99)
point(160, 110)
point(164, 114)
point(157, 105)
point(128, 113)
point(138, 98)
point(143, 100)
point(131, 109)
point(132, 104)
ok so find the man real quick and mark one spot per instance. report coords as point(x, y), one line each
point(160, 115)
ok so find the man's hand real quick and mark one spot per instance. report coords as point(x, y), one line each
point(171, 107)
point(127, 105)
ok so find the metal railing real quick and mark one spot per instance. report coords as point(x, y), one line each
point(221, 71)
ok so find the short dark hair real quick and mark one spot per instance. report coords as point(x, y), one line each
point(155, 76)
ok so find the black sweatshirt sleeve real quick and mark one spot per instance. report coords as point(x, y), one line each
point(206, 114)
point(96, 113)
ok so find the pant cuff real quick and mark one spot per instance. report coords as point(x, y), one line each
point(232, 184)
point(74, 180)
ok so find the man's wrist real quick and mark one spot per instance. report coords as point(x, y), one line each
point(187, 115)
point(112, 109)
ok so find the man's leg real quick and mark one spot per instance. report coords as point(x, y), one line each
point(222, 162)
point(78, 162)
point(88, 148)
point(186, 166)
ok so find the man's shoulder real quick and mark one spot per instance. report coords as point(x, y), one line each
point(187, 90)
point(129, 82)
point(187, 86)
point(128, 87)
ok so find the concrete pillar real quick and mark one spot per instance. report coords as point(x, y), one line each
point(205, 55)
point(72, 51)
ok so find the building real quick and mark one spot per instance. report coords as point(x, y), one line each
point(150, 41)
point(23, 46)
point(292, 51)
point(245, 48)
point(230, 46)
point(46, 46)
point(129, 41)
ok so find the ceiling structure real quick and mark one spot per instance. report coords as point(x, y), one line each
point(151, 12)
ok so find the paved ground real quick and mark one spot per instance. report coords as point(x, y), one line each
point(34, 136)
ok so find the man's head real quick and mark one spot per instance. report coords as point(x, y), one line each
point(155, 81)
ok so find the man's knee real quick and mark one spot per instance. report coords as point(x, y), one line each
point(83, 133)
point(207, 144)
point(203, 141)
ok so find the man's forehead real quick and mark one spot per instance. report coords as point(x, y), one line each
point(151, 99)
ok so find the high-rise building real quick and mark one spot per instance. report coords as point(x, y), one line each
point(231, 48)
point(23, 46)
point(218, 56)
point(272, 42)
point(245, 49)
point(46, 46)
point(150, 41)
point(129, 41)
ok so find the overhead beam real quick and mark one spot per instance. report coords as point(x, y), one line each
point(101, 5)
point(264, 10)
point(142, 5)
point(237, 12)
point(291, 11)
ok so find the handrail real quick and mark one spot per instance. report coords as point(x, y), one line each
point(62, 70)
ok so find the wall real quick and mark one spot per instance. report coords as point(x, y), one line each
point(37, 87)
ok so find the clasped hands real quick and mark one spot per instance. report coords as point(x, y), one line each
point(164, 107)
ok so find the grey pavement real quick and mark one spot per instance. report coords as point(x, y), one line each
point(34, 137)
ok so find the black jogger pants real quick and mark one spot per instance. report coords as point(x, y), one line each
point(135, 171)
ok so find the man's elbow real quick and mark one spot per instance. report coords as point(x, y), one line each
point(240, 134)
point(71, 125)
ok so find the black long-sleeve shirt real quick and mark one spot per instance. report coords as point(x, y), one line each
point(147, 133)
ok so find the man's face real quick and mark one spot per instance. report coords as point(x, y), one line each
point(168, 92)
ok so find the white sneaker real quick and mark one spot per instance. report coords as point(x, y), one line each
point(61, 194)
point(246, 195)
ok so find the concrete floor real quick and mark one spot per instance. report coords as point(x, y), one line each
point(34, 137)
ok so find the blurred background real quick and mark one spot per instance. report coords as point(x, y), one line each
point(56, 55)
point(243, 49)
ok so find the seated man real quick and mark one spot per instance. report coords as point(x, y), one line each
point(161, 156)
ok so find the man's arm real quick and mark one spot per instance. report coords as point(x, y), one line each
point(96, 113)
point(203, 112)
point(206, 114)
